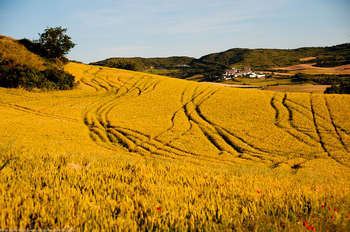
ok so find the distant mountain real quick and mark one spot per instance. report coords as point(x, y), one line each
point(147, 63)
point(212, 65)
point(272, 58)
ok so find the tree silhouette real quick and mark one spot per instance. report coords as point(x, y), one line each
point(54, 43)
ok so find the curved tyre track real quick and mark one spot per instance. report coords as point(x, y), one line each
point(319, 130)
point(292, 129)
point(112, 136)
point(321, 140)
point(335, 127)
point(38, 113)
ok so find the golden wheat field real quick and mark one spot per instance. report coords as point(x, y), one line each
point(134, 151)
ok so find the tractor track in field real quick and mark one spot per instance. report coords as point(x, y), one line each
point(135, 140)
point(318, 129)
point(181, 109)
point(112, 136)
point(221, 138)
point(38, 113)
point(309, 118)
point(322, 142)
point(319, 116)
point(291, 112)
point(89, 84)
point(279, 120)
point(90, 116)
point(321, 129)
point(97, 117)
point(86, 82)
point(99, 84)
point(207, 130)
point(211, 130)
point(340, 138)
point(107, 135)
point(239, 144)
point(217, 136)
point(333, 130)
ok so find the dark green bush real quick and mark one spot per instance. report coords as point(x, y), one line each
point(342, 88)
point(32, 46)
point(122, 64)
point(13, 76)
point(62, 79)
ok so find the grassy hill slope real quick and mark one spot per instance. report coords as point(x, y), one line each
point(272, 58)
point(214, 64)
point(136, 151)
point(11, 49)
point(146, 63)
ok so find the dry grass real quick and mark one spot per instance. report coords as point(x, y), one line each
point(311, 69)
point(305, 88)
point(307, 58)
point(135, 151)
point(15, 51)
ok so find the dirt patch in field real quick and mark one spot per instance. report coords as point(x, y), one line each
point(276, 73)
point(307, 88)
point(311, 69)
point(307, 58)
point(297, 67)
point(235, 85)
point(198, 77)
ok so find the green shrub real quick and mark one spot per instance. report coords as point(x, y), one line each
point(122, 64)
point(342, 88)
point(13, 76)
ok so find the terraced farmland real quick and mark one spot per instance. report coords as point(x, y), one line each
point(116, 121)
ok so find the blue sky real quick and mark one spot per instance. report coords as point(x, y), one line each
point(159, 28)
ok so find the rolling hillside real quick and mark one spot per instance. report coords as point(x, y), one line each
point(137, 151)
point(185, 124)
point(158, 63)
point(273, 58)
point(259, 59)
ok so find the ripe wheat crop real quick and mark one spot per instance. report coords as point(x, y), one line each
point(135, 151)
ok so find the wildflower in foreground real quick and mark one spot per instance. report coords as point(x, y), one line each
point(323, 206)
point(159, 208)
point(305, 223)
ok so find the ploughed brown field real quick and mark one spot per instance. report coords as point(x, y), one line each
point(306, 88)
point(312, 69)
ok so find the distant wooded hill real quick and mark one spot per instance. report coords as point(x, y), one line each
point(212, 65)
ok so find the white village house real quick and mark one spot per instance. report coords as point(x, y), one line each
point(247, 72)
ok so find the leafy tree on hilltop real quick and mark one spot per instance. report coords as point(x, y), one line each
point(54, 43)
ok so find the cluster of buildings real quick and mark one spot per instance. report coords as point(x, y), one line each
point(246, 72)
